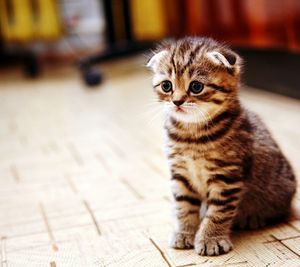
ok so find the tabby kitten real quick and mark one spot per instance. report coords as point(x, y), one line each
point(220, 154)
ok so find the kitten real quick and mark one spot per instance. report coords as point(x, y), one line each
point(220, 154)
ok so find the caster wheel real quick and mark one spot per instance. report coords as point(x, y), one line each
point(92, 77)
point(31, 68)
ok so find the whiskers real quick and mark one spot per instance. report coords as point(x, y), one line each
point(153, 112)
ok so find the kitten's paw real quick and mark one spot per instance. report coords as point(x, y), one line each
point(213, 246)
point(182, 240)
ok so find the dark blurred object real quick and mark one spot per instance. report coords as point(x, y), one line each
point(119, 37)
point(21, 23)
point(25, 57)
point(272, 70)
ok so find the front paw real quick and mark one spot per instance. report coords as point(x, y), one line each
point(182, 240)
point(213, 246)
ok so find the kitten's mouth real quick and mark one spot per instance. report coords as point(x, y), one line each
point(180, 110)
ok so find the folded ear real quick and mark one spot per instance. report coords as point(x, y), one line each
point(225, 57)
point(154, 61)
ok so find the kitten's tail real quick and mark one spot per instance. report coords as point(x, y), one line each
point(295, 210)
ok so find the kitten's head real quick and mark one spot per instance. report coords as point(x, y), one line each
point(195, 77)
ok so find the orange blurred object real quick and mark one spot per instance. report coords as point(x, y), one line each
point(255, 23)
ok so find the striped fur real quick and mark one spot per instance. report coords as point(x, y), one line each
point(219, 153)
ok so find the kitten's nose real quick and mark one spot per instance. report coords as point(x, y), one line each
point(178, 102)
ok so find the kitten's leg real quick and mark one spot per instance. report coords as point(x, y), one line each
point(187, 207)
point(212, 237)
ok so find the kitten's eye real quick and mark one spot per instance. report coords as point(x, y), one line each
point(166, 86)
point(196, 87)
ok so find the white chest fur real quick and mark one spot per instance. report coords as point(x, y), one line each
point(197, 175)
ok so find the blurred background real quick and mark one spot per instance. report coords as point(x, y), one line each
point(83, 177)
point(37, 32)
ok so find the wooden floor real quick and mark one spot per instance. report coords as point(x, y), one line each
point(84, 182)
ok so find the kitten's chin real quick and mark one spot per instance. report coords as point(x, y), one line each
point(185, 116)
